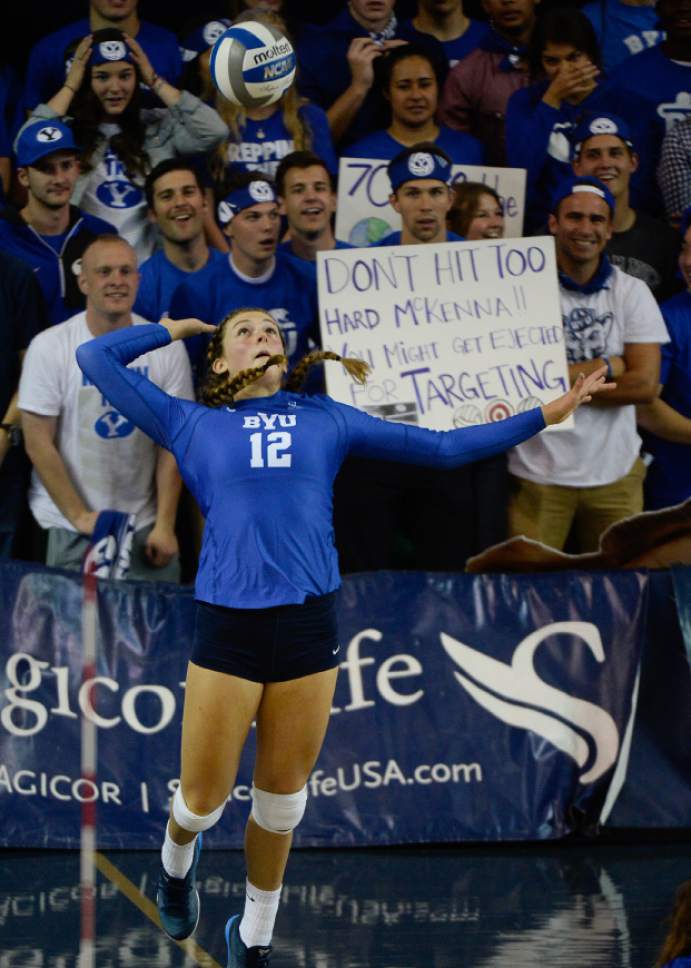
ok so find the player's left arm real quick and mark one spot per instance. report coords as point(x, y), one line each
point(640, 379)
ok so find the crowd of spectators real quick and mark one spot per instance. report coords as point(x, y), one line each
point(131, 189)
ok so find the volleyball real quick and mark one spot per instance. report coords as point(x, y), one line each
point(252, 64)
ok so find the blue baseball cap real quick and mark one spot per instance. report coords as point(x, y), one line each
point(254, 193)
point(407, 166)
point(202, 38)
point(600, 124)
point(43, 138)
point(575, 185)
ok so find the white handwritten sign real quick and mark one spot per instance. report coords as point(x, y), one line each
point(364, 215)
point(456, 334)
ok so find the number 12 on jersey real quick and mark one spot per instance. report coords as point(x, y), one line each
point(270, 450)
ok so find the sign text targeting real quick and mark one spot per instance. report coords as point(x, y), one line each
point(456, 334)
point(364, 215)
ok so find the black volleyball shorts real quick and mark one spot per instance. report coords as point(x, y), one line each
point(268, 644)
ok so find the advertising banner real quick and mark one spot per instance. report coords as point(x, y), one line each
point(364, 215)
point(467, 708)
point(455, 334)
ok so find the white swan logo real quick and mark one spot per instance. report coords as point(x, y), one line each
point(516, 695)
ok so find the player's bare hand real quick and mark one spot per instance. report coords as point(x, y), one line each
point(182, 328)
point(582, 391)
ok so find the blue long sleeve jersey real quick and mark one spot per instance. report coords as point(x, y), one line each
point(262, 470)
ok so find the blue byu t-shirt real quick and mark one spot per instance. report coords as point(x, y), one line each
point(159, 279)
point(290, 295)
point(455, 49)
point(622, 29)
point(265, 143)
point(462, 148)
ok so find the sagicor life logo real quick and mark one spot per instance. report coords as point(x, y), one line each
point(516, 695)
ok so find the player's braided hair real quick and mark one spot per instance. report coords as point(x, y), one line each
point(220, 389)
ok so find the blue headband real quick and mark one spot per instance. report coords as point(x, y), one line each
point(248, 195)
point(420, 164)
point(201, 39)
point(599, 124)
point(110, 51)
point(576, 185)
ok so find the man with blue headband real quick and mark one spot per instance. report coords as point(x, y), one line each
point(253, 274)
point(420, 193)
point(644, 246)
point(580, 481)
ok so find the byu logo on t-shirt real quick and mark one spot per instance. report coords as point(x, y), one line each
point(420, 164)
point(673, 111)
point(76, 267)
point(113, 50)
point(113, 424)
point(48, 134)
point(260, 191)
point(116, 191)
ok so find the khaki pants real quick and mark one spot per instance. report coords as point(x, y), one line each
point(548, 512)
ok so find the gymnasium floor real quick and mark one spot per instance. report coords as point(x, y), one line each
point(529, 906)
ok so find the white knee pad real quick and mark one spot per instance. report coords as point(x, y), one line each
point(279, 813)
point(184, 817)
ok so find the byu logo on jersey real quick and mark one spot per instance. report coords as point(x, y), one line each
point(516, 695)
point(112, 424)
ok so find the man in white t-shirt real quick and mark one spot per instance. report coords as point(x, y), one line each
point(590, 476)
point(87, 457)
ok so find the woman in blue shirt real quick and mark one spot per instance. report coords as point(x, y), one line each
point(410, 81)
point(261, 462)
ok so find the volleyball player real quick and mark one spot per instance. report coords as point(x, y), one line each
point(261, 460)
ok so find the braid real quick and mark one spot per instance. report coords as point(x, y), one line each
point(358, 369)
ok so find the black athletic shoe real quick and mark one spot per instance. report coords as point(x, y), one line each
point(178, 901)
point(239, 955)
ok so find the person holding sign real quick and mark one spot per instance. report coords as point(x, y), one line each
point(261, 460)
point(410, 83)
point(591, 476)
point(446, 516)
point(420, 179)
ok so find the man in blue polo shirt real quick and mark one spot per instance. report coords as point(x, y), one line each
point(178, 208)
point(253, 274)
point(48, 233)
point(46, 70)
